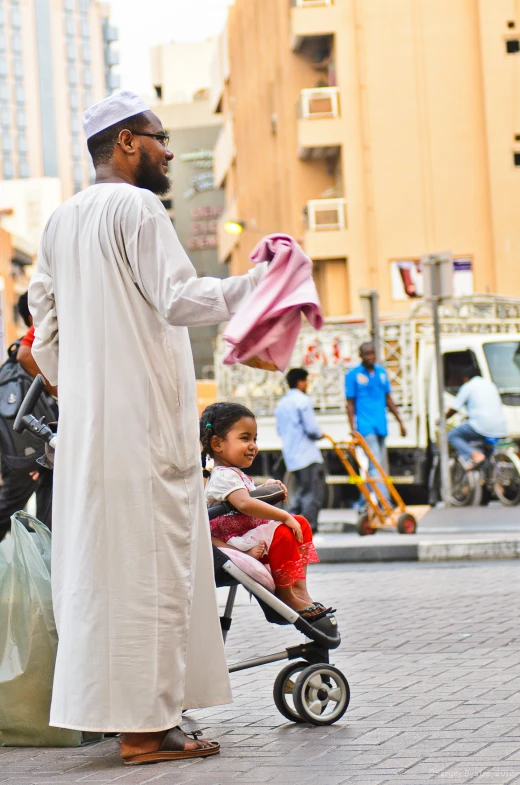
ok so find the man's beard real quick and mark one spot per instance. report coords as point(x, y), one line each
point(151, 179)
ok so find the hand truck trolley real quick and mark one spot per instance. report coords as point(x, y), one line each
point(380, 514)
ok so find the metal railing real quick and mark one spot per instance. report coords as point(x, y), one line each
point(319, 102)
point(327, 214)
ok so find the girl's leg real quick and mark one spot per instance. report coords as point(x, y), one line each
point(286, 566)
point(300, 586)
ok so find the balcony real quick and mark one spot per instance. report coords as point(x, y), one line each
point(327, 235)
point(220, 71)
point(224, 153)
point(225, 241)
point(312, 18)
point(319, 125)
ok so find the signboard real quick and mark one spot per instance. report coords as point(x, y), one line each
point(203, 227)
point(408, 283)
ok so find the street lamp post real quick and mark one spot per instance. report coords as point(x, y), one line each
point(438, 286)
point(371, 298)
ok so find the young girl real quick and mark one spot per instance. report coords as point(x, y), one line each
point(284, 542)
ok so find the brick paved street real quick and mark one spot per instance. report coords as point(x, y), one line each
point(432, 653)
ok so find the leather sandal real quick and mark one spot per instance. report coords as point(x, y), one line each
point(172, 748)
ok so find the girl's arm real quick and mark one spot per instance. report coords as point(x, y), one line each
point(243, 502)
point(221, 544)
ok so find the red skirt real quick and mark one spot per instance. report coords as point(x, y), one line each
point(288, 558)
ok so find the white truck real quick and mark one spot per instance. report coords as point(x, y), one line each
point(483, 330)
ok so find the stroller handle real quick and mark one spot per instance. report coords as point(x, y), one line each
point(25, 420)
point(271, 494)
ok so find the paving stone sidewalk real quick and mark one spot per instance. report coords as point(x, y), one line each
point(432, 653)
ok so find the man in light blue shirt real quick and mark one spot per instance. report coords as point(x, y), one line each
point(299, 433)
point(486, 419)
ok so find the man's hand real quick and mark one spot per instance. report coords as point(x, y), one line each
point(403, 429)
point(293, 524)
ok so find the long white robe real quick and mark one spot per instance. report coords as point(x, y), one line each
point(133, 591)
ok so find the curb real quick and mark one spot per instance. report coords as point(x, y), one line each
point(425, 551)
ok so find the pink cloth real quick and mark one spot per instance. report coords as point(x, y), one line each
point(264, 330)
point(252, 567)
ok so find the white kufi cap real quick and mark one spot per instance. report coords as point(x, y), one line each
point(112, 110)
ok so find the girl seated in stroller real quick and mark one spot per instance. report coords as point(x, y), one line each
point(273, 536)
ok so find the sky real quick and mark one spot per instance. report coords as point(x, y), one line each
point(144, 23)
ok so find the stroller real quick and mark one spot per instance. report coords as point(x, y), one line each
point(308, 689)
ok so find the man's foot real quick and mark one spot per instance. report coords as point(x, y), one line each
point(171, 744)
point(478, 457)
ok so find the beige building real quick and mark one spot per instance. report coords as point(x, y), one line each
point(194, 205)
point(56, 59)
point(374, 132)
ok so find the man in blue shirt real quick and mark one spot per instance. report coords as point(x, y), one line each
point(299, 433)
point(367, 390)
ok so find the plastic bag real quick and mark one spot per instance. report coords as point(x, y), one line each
point(28, 640)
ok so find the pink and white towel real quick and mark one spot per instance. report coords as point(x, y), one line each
point(264, 330)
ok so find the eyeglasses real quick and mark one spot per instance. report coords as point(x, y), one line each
point(162, 138)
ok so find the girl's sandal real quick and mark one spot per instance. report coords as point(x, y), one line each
point(312, 613)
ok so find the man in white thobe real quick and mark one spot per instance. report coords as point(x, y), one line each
point(132, 573)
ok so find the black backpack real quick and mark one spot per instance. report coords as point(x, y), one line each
point(20, 450)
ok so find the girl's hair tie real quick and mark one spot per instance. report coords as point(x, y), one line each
point(209, 425)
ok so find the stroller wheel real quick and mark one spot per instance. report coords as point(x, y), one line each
point(284, 687)
point(321, 694)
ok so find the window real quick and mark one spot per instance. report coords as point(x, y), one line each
point(87, 97)
point(454, 363)
point(71, 50)
point(16, 18)
point(78, 175)
point(85, 29)
point(77, 149)
point(75, 125)
point(22, 143)
point(73, 99)
point(69, 5)
point(512, 46)
point(73, 75)
point(4, 90)
point(70, 27)
point(511, 24)
point(3, 41)
point(17, 43)
point(21, 119)
point(516, 158)
point(8, 169)
point(503, 358)
point(87, 56)
point(23, 167)
point(87, 77)
point(19, 93)
point(4, 67)
point(18, 69)
point(6, 118)
point(7, 142)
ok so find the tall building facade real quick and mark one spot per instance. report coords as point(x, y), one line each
point(56, 59)
point(373, 132)
point(195, 204)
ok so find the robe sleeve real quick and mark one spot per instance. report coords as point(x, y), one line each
point(169, 281)
point(42, 305)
